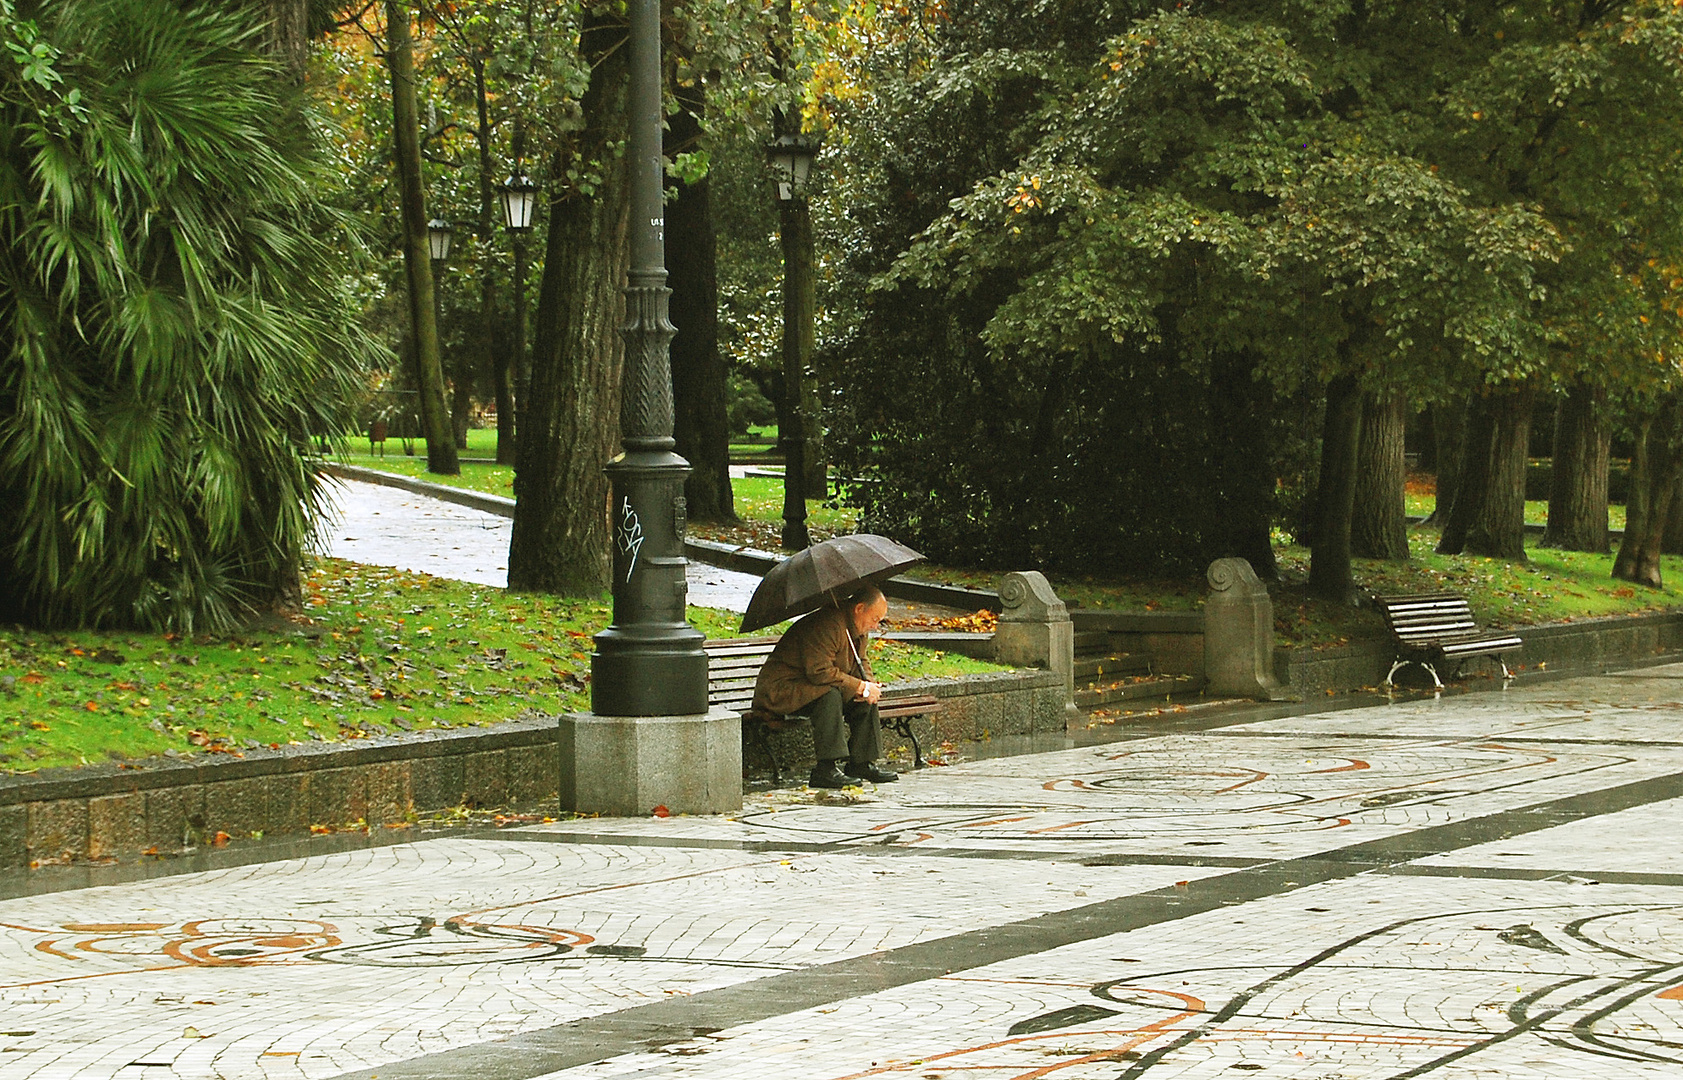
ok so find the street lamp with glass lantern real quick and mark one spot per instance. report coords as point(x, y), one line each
point(439, 238)
point(518, 197)
point(791, 158)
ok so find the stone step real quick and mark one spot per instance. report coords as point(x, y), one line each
point(1109, 668)
point(1092, 641)
point(1124, 690)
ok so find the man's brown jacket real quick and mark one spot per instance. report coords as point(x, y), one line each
point(811, 658)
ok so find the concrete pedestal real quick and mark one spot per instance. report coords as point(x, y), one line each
point(1035, 631)
point(625, 766)
point(1238, 634)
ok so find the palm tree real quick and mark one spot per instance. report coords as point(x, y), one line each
point(174, 329)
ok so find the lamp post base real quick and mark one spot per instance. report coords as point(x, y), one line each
point(625, 766)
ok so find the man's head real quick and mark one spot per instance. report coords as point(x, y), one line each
point(865, 607)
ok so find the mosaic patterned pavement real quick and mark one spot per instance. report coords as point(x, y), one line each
point(1483, 885)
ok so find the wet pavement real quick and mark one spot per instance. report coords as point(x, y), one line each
point(1486, 884)
point(385, 526)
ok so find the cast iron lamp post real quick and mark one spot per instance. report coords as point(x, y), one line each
point(519, 198)
point(791, 158)
point(649, 661)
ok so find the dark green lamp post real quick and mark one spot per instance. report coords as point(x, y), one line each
point(791, 157)
point(649, 661)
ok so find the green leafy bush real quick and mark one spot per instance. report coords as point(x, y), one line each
point(173, 330)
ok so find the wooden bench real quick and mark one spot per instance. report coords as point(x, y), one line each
point(733, 666)
point(1439, 627)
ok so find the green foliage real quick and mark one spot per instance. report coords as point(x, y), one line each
point(1081, 247)
point(172, 326)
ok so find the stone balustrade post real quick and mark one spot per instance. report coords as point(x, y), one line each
point(1035, 630)
point(1238, 633)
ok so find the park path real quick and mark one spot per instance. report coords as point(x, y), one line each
point(1487, 885)
point(385, 526)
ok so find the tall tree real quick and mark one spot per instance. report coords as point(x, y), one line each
point(700, 424)
point(1449, 433)
point(1655, 480)
point(1330, 574)
point(1377, 528)
point(423, 310)
point(1496, 525)
point(569, 422)
point(1583, 441)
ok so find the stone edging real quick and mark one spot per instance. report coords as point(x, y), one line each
point(164, 805)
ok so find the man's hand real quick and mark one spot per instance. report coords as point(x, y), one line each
point(869, 691)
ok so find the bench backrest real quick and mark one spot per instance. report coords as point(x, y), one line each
point(1427, 617)
point(733, 665)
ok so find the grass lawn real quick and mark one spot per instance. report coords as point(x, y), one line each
point(377, 651)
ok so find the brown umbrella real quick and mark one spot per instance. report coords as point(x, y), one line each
point(823, 574)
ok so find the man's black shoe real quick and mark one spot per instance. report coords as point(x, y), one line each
point(827, 775)
point(868, 771)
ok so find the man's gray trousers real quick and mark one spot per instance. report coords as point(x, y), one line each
point(863, 744)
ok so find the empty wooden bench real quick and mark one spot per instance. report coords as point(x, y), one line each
point(733, 666)
point(1438, 628)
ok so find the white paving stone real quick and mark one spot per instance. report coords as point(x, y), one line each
point(1466, 963)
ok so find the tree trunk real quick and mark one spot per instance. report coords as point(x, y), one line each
point(493, 345)
point(1672, 544)
point(1449, 435)
point(569, 422)
point(1583, 441)
point(1473, 477)
point(1654, 480)
point(1330, 573)
point(700, 424)
point(1497, 527)
point(289, 35)
point(1240, 405)
point(461, 409)
point(406, 153)
point(1377, 528)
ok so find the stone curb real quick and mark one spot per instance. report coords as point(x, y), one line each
point(165, 805)
point(93, 781)
point(500, 505)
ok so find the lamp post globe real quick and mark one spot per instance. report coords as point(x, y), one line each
point(519, 197)
point(439, 238)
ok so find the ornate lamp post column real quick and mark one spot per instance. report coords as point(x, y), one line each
point(649, 662)
point(650, 740)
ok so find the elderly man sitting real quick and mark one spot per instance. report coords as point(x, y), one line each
point(818, 671)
